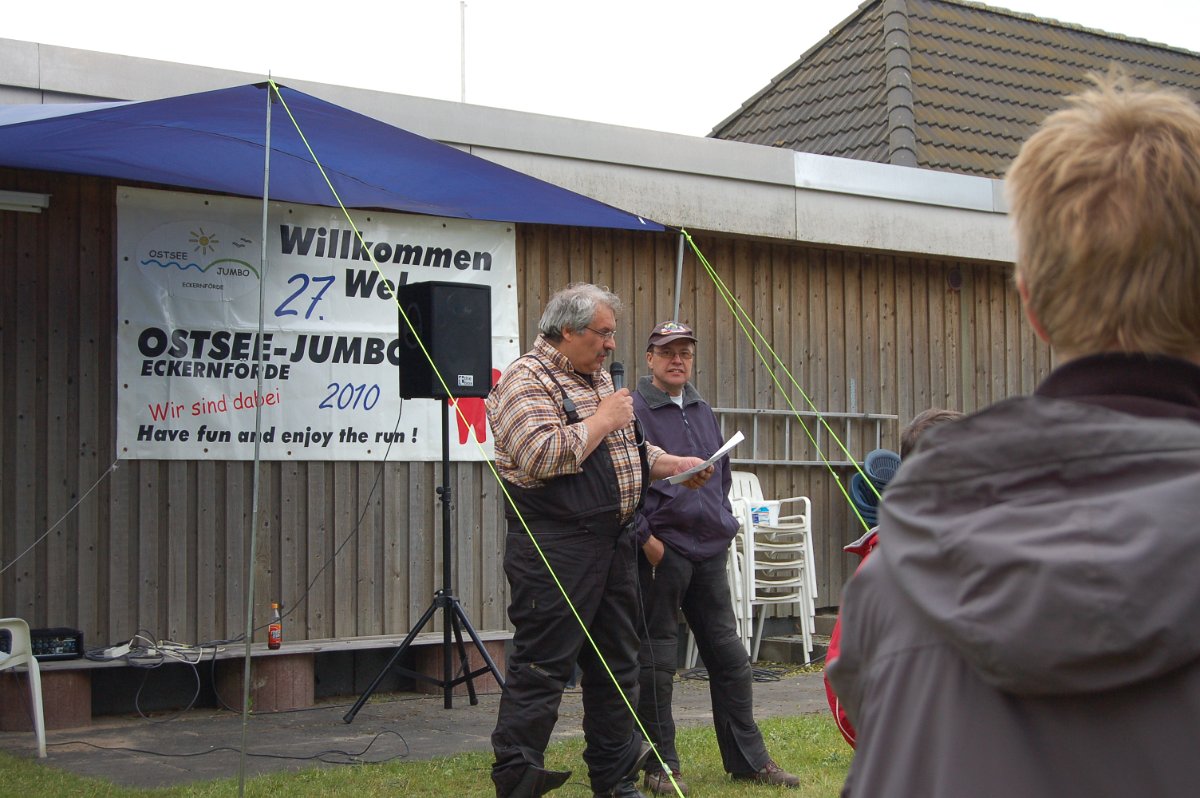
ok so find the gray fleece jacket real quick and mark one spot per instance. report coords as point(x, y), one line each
point(1030, 623)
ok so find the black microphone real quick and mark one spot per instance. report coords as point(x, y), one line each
point(617, 372)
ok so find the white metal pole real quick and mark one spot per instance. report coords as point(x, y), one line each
point(678, 277)
point(262, 279)
point(462, 47)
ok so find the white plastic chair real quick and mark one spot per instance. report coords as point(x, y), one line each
point(779, 566)
point(745, 485)
point(781, 573)
point(791, 538)
point(21, 653)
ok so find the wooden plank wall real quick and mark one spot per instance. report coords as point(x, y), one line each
point(353, 548)
point(858, 332)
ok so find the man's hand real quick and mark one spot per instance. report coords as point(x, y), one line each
point(700, 478)
point(654, 550)
point(615, 411)
point(670, 464)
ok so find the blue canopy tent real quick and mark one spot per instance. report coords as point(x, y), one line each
point(214, 141)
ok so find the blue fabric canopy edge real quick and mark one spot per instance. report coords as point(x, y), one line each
point(214, 141)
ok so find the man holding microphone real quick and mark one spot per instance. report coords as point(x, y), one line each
point(567, 451)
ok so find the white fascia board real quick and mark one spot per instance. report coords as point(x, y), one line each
point(476, 127)
point(904, 183)
point(876, 223)
point(677, 199)
point(73, 72)
point(19, 63)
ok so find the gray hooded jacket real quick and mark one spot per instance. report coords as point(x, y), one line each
point(1030, 624)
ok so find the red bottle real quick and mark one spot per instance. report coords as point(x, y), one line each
point(275, 629)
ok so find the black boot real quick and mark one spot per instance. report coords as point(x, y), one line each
point(627, 786)
point(537, 781)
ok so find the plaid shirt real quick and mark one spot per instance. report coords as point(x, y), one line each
point(535, 443)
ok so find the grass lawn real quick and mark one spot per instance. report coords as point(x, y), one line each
point(807, 745)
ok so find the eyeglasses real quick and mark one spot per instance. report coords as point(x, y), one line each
point(671, 354)
point(607, 336)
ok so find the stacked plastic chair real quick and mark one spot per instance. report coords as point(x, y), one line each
point(777, 562)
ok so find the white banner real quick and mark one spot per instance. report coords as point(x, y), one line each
point(188, 346)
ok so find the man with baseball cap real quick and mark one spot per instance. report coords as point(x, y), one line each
point(685, 535)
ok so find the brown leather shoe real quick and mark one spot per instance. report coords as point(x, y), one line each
point(769, 773)
point(658, 783)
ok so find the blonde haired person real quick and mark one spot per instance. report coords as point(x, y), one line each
point(1105, 199)
point(1030, 623)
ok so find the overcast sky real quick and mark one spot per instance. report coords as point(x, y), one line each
point(675, 65)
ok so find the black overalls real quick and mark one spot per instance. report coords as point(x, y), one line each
point(575, 519)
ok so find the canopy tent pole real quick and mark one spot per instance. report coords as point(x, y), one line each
point(252, 556)
point(678, 275)
point(462, 48)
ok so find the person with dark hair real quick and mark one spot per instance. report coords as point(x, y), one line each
point(567, 453)
point(685, 537)
point(1030, 622)
point(922, 421)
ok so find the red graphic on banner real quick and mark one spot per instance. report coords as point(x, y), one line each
point(473, 414)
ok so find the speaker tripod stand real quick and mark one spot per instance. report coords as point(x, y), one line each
point(453, 615)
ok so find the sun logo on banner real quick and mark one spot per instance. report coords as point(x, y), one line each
point(204, 242)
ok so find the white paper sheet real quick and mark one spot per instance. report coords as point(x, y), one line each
point(691, 472)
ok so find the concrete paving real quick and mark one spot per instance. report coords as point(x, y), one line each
point(201, 745)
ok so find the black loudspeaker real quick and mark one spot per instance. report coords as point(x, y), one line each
point(454, 321)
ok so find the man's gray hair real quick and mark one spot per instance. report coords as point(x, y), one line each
point(573, 308)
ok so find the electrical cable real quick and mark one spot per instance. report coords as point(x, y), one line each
point(350, 758)
point(295, 604)
point(637, 573)
point(366, 506)
point(149, 654)
point(62, 518)
point(145, 679)
point(758, 674)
